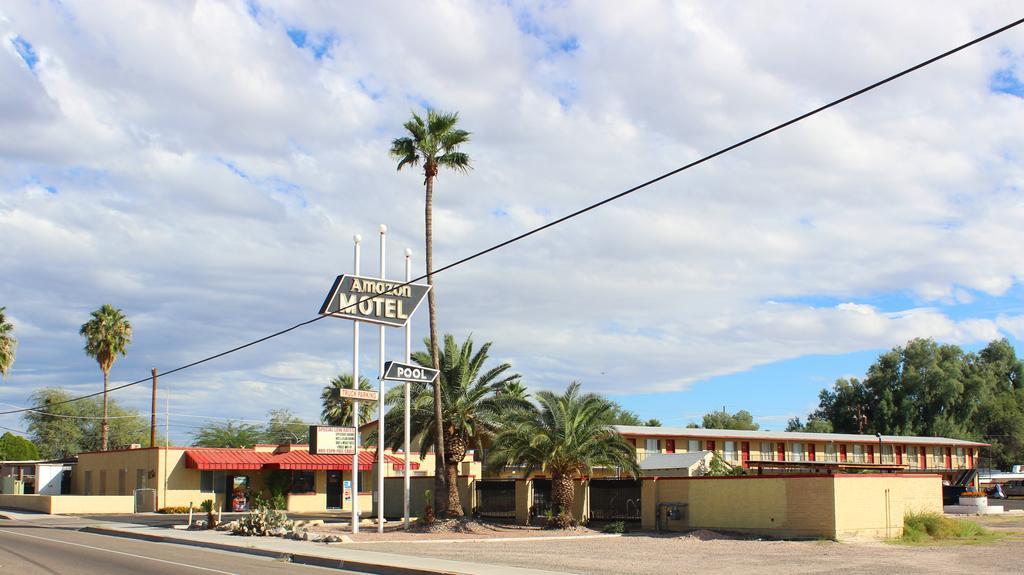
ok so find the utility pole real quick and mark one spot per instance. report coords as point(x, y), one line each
point(152, 419)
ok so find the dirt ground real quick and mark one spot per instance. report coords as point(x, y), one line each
point(464, 531)
point(703, 553)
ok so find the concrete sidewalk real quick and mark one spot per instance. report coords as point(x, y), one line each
point(305, 552)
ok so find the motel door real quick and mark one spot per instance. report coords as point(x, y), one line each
point(334, 489)
point(745, 454)
point(949, 458)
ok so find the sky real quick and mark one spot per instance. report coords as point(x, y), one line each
point(204, 166)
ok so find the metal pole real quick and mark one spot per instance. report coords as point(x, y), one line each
point(380, 400)
point(167, 438)
point(355, 403)
point(406, 483)
point(152, 417)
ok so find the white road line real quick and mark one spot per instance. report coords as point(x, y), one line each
point(118, 552)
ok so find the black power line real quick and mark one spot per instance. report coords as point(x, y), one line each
point(586, 209)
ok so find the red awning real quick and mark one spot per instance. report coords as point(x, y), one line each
point(245, 459)
point(303, 460)
point(225, 459)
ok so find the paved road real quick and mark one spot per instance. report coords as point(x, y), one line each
point(29, 548)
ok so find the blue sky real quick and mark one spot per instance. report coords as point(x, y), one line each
point(204, 165)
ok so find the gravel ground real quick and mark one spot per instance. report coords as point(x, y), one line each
point(469, 530)
point(649, 553)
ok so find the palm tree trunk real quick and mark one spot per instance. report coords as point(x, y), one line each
point(456, 452)
point(562, 496)
point(440, 481)
point(105, 429)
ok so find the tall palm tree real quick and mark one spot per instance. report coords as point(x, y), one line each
point(434, 142)
point(567, 436)
point(338, 411)
point(8, 344)
point(107, 336)
point(470, 407)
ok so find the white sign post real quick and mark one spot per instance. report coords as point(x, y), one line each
point(355, 405)
point(380, 404)
point(388, 304)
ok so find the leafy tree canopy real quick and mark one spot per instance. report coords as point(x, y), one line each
point(724, 420)
point(227, 434)
point(17, 448)
point(931, 389)
point(813, 425)
point(71, 428)
point(284, 427)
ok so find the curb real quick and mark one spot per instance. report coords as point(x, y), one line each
point(302, 559)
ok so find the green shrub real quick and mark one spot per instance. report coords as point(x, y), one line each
point(920, 527)
point(615, 527)
point(206, 506)
point(178, 509)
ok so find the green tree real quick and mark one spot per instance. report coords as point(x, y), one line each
point(471, 408)
point(107, 336)
point(931, 389)
point(227, 434)
point(652, 423)
point(61, 428)
point(722, 420)
point(566, 436)
point(434, 142)
point(17, 448)
point(617, 415)
point(8, 344)
point(283, 427)
point(813, 425)
point(338, 411)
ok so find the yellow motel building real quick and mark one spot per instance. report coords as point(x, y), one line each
point(795, 484)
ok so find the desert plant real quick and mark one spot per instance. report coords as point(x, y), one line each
point(428, 509)
point(206, 506)
point(615, 527)
point(261, 521)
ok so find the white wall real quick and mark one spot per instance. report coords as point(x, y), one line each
point(48, 478)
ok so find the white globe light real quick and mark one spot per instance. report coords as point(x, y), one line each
point(408, 252)
point(383, 229)
point(357, 238)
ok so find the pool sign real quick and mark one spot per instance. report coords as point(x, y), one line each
point(373, 300)
point(332, 440)
point(395, 371)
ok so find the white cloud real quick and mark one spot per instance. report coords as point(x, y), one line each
point(209, 174)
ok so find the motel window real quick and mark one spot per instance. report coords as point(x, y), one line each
point(937, 456)
point(103, 482)
point(88, 482)
point(830, 452)
point(670, 446)
point(303, 482)
point(858, 453)
point(122, 482)
point(767, 453)
point(797, 451)
point(911, 458)
point(730, 451)
point(211, 481)
point(887, 454)
point(140, 478)
point(693, 446)
point(651, 446)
